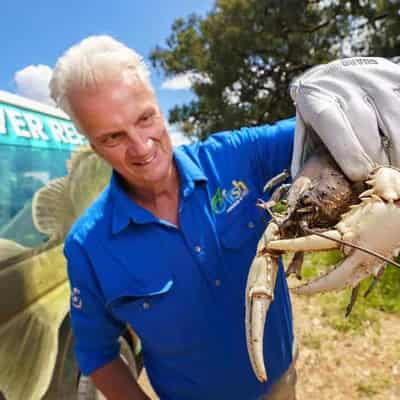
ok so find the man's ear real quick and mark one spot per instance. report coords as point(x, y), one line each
point(92, 146)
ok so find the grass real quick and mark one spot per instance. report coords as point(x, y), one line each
point(312, 341)
point(373, 386)
point(385, 296)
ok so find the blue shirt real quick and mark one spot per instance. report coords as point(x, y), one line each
point(183, 289)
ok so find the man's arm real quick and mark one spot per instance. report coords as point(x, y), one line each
point(116, 382)
point(96, 331)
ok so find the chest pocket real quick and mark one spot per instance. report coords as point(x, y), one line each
point(243, 223)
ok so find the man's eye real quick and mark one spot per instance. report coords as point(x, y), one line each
point(146, 119)
point(112, 138)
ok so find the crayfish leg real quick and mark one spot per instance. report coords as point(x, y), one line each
point(353, 299)
point(374, 282)
point(296, 263)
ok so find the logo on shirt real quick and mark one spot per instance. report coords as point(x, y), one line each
point(225, 200)
point(76, 300)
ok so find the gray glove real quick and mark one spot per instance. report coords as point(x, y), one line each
point(352, 106)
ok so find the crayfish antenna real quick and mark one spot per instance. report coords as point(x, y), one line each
point(353, 299)
point(276, 180)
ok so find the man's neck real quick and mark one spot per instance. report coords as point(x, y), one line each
point(163, 200)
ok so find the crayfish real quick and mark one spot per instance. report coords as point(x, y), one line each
point(323, 211)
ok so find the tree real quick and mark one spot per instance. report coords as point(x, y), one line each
point(379, 23)
point(243, 55)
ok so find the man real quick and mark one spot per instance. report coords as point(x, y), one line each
point(167, 246)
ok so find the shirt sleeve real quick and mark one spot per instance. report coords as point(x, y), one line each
point(265, 150)
point(275, 147)
point(95, 330)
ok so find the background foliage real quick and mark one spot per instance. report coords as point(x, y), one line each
point(244, 53)
point(384, 297)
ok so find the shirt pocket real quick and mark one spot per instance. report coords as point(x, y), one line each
point(243, 223)
point(166, 324)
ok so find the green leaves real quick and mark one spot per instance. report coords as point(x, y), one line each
point(250, 50)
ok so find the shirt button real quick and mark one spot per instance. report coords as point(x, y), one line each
point(250, 225)
point(217, 283)
point(146, 305)
point(197, 249)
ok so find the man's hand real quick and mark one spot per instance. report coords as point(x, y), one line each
point(116, 382)
point(352, 106)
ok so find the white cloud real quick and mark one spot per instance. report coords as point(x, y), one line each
point(33, 82)
point(177, 136)
point(178, 82)
point(184, 81)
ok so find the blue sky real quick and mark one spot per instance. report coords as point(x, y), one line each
point(36, 32)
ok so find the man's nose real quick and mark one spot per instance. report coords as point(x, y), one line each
point(138, 144)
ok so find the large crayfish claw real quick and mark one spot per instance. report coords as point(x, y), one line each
point(259, 295)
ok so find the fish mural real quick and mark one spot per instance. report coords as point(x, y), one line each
point(34, 286)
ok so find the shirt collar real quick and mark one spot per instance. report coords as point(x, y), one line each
point(189, 172)
point(125, 210)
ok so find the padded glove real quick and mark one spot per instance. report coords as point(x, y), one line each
point(352, 106)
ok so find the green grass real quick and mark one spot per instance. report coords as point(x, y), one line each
point(385, 296)
point(279, 208)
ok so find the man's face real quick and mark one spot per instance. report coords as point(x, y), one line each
point(124, 126)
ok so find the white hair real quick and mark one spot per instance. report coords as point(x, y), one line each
point(94, 60)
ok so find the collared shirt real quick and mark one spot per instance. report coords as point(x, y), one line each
point(183, 289)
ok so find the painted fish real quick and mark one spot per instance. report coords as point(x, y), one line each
point(33, 281)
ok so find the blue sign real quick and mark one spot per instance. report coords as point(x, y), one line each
point(24, 127)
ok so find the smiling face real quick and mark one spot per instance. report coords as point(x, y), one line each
point(124, 125)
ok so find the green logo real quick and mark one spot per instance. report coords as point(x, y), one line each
point(226, 200)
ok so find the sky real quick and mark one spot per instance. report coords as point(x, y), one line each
point(34, 33)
